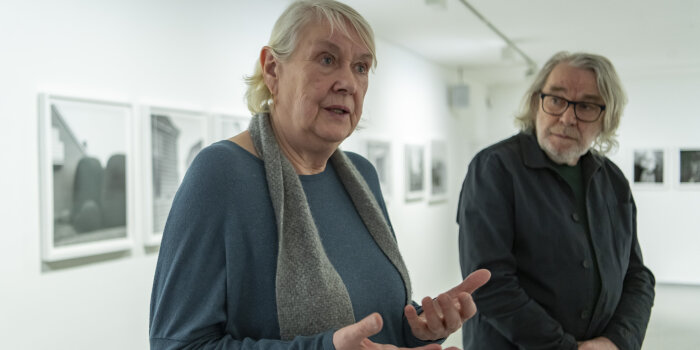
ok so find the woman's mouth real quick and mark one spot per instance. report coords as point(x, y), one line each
point(340, 110)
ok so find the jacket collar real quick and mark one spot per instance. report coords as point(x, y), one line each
point(534, 156)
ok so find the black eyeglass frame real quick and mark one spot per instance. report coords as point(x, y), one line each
point(569, 103)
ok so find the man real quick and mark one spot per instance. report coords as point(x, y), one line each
point(554, 221)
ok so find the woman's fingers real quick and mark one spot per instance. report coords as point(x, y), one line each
point(467, 306)
point(445, 314)
point(432, 314)
point(475, 280)
point(452, 318)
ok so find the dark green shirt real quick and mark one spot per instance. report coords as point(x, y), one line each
point(573, 175)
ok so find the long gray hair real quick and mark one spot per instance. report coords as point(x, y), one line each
point(609, 87)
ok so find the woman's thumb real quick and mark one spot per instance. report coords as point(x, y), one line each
point(350, 337)
point(369, 325)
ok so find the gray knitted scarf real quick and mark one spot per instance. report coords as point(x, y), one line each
point(311, 296)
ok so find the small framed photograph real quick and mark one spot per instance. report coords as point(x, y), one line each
point(414, 164)
point(86, 181)
point(437, 186)
point(689, 168)
point(225, 126)
point(649, 167)
point(173, 138)
point(379, 154)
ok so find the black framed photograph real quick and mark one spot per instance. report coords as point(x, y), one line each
point(173, 138)
point(380, 155)
point(649, 166)
point(414, 164)
point(86, 189)
point(689, 167)
point(437, 186)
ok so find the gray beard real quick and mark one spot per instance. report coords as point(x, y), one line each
point(570, 156)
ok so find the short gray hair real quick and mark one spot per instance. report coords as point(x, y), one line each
point(609, 87)
point(284, 39)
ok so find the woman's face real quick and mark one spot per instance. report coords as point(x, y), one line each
point(318, 93)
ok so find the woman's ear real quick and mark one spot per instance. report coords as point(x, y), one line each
point(268, 63)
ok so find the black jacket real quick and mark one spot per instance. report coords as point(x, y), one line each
point(517, 218)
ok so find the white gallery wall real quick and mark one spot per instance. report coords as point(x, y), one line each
point(191, 55)
point(660, 114)
point(182, 54)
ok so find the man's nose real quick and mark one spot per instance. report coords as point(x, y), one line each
point(569, 116)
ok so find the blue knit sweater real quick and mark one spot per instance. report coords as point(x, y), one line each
point(214, 285)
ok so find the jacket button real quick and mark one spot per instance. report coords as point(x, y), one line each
point(585, 314)
point(575, 217)
point(585, 264)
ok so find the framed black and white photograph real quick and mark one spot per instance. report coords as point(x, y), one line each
point(649, 167)
point(225, 126)
point(689, 168)
point(414, 158)
point(174, 138)
point(86, 189)
point(437, 185)
point(379, 154)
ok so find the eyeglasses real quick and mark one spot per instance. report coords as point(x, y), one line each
point(584, 111)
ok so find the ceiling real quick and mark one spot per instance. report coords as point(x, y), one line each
point(637, 35)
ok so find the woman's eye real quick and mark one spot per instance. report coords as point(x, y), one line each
point(361, 68)
point(327, 60)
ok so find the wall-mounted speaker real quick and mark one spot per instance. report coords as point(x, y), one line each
point(459, 97)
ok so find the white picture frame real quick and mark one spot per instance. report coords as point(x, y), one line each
point(86, 174)
point(650, 168)
point(171, 139)
point(225, 126)
point(438, 181)
point(689, 168)
point(414, 170)
point(379, 153)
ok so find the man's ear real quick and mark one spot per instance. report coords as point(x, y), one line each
point(268, 62)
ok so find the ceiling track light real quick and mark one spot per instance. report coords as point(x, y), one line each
point(442, 4)
point(531, 65)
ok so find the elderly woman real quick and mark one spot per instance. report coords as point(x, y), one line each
point(277, 239)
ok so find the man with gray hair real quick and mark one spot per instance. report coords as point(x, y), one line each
point(554, 221)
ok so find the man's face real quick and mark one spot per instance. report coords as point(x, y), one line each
point(564, 138)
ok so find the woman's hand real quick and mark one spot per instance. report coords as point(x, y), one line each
point(356, 336)
point(445, 314)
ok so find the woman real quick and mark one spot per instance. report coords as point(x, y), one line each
point(276, 239)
